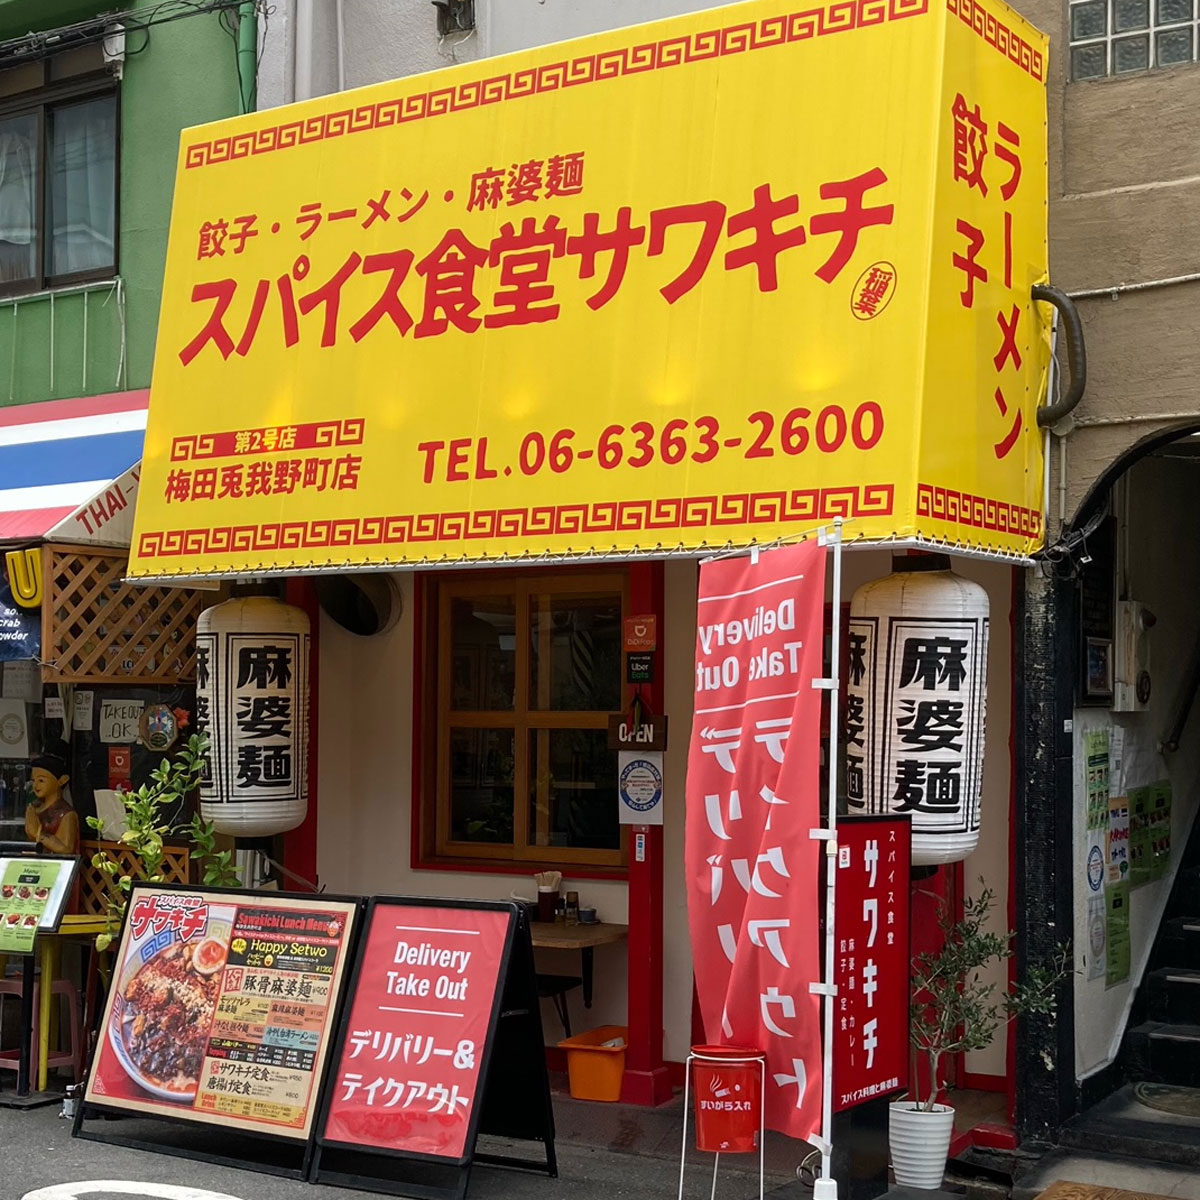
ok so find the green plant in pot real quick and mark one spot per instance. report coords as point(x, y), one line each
point(147, 830)
point(953, 1010)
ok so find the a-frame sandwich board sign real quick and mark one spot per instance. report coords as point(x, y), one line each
point(220, 1016)
point(440, 1041)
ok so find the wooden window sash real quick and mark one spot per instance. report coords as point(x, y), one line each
point(523, 719)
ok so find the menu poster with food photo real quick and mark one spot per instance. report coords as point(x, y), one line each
point(33, 892)
point(222, 1007)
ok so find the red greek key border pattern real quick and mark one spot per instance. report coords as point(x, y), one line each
point(621, 517)
point(325, 434)
point(998, 35)
point(839, 16)
point(977, 512)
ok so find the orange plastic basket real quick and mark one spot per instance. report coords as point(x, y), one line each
point(595, 1071)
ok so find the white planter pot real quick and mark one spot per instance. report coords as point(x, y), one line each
point(920, 1143)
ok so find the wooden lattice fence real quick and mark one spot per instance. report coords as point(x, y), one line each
point(94, 884)
point(98, 629)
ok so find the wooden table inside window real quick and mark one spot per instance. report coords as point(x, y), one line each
point(584, 938)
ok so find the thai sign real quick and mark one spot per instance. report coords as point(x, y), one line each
point(587, 298)
point(752, 801)
point(20, 621)
point(221, 1008)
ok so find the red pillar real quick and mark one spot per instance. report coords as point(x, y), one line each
point(646, 1081)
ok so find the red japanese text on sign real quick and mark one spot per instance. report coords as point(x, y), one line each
point(975, 142)
point(185, 915)
point(407, 1074)
point(447, 286)
point(752, 798)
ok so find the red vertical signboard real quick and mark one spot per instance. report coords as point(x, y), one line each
point(752, 800)
point(421, 1007)
point(872, 959)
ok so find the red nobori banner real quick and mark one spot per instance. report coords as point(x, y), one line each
point(752, 798)
point(872, 959)
point(422, 1003)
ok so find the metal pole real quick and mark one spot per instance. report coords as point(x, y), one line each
point(825, 1188)
point(762, 1126)
point(247, 55)
point(24, 1053)
point(687, 1082)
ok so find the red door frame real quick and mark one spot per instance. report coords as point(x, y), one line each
point(646, 1080)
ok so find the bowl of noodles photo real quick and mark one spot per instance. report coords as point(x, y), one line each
point(163, 1010)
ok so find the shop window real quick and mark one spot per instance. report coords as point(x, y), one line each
point(1116, 37)
point(523, 673)
point(58, 173)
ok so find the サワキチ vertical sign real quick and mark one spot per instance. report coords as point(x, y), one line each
point(752, 800)
point(222, 1006)
point(871, 967)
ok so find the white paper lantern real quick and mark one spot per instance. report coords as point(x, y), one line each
point(252, 700)
point(915, 708)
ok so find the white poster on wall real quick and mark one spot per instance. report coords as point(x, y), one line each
point(1095, 863)
point(119, 720)
point(640, 786)
point(1118, 839)
point(22, 680)
point(112, 814)
point(1097, 937)
point(85, 708)
point(14, 729)
point(1116, 760)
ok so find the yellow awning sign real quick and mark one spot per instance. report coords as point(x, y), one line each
point(710, 280)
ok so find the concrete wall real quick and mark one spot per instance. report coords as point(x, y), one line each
point(520, 24)
point(185, 76)
point(1164, 574)
point(307, 47)
point(1124, 179)
point(365, 722)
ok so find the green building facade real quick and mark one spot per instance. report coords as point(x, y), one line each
point(92, 102)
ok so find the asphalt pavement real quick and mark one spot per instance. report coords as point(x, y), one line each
point(41, 1161)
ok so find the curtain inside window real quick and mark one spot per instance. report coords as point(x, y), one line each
point(81, 192)
point(18, 182)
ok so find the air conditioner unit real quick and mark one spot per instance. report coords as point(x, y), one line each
point(1131, 657)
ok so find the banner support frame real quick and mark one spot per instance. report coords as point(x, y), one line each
point(825, 1187)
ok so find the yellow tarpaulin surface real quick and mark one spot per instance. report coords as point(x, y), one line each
point(710, 280)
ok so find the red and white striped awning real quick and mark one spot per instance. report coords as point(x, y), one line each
point(59, 459)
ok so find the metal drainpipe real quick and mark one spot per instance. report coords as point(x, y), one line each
point(247, 52)
point(1072, 330)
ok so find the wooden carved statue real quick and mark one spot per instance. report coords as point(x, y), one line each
point(50, 821)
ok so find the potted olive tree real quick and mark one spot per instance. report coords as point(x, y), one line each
point(954, 1010)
